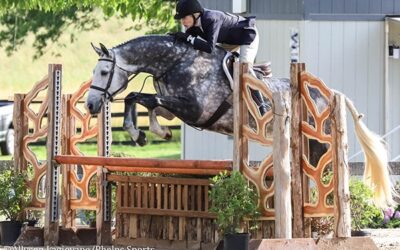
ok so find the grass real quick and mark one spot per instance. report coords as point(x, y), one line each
point(156, 148)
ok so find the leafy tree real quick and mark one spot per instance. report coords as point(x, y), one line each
point(48, 19)
point(46, 27)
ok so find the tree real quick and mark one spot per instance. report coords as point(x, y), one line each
point(48, 19)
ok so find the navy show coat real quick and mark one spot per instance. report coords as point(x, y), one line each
point(222, 27)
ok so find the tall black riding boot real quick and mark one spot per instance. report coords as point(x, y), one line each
point(259, 100)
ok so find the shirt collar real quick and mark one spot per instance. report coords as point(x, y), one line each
point(198, 23)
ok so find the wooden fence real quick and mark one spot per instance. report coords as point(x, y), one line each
point(174, 211)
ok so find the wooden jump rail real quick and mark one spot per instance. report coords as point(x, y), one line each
point(194, 167)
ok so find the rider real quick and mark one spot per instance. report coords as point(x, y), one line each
point(205, 28)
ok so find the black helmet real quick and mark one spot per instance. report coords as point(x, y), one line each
point(187, 7)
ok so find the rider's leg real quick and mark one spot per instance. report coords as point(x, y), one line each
point(248, 55)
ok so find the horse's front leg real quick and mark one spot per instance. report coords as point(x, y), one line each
point(137, 135)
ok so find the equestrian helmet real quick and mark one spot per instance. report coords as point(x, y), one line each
point(187, 7)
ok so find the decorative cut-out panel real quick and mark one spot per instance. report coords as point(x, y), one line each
point(315, 127)
point(35, 112)
point(259, 129)
point(81, 195)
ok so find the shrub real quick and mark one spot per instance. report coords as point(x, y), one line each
point(14, 195)
point(363, 212)
point(232, 200)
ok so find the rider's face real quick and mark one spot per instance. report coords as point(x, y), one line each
point(187, 21)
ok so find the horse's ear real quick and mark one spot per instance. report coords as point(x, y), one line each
point(98, 50)
point(104, 49)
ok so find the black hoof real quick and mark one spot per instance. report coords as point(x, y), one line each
point(142, 140)
point(168, 136)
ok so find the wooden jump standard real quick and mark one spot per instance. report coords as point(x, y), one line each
point(194, 167)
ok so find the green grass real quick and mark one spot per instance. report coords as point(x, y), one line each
point(156, 148)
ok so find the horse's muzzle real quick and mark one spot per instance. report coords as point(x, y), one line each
point(93, 109)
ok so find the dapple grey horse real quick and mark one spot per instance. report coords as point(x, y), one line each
point(192, 86)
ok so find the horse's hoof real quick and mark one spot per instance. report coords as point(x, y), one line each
point(168, 135)
point(142, 139)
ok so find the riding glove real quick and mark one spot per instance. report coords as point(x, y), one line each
point(181, 36)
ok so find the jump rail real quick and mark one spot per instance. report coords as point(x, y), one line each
point(194, 167)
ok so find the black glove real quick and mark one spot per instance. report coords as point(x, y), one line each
point(181, 36)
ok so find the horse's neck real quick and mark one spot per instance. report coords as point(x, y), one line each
point(149, 57)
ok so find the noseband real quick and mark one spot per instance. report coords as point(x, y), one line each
point(105, 91)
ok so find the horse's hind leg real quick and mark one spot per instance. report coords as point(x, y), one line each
point(155, 127)
point(150, 101)
point(183, 108)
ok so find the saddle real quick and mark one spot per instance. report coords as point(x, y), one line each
point(261, 70)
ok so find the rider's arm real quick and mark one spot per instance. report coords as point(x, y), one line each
point(211, 32)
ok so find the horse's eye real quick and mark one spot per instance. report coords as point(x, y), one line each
point(103, 72)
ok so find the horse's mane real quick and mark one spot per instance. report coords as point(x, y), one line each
point(160, 37)
point(140, 38)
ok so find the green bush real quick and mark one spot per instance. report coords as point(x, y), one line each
point(232, 200)
point(14, 195)
point(363, 212)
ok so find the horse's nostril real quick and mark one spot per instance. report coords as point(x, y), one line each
point(90, 106)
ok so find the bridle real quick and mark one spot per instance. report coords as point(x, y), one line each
point(105, 91)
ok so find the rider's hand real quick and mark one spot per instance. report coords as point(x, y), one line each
point(181, 36)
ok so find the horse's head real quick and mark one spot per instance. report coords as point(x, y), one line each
point(109, 78)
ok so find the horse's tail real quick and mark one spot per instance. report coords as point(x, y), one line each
point(376, 172)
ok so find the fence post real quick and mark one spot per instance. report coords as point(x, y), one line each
point(103, 213)
point(240, 117)
point(296, 146)
point(20, 124)
point(341, 173)
point(51, 227)
point(281, 158)
point(68, 214)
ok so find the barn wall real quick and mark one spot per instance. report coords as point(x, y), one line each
point(349, 57)
point(360, 10)
point(394, 111)
point(263, 9)
point(333, 10)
